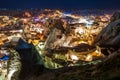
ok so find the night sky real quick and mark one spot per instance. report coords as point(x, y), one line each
point(64, 4)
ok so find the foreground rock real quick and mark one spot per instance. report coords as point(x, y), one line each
point(107, 70)
point(109, 37)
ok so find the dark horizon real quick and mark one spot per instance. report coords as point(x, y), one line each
point(61, 4)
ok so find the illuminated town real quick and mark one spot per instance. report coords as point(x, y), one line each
point(59, 40)
point(57, 36)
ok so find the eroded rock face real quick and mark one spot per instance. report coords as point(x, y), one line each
point(115, 16)
point(110, 35)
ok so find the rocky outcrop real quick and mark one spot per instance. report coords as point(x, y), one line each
point(115, 16)
point(110, 35)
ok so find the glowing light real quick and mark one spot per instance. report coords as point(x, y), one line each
point(89, 58)
point(21, 31)
point(74, 57)
point(39, 30)
point(27, 14)
point(87, 21)
point(79, 30)
point(97, 51)
point(41, 45)
point(25, 20)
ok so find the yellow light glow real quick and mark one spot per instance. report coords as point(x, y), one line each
point(74, 57)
